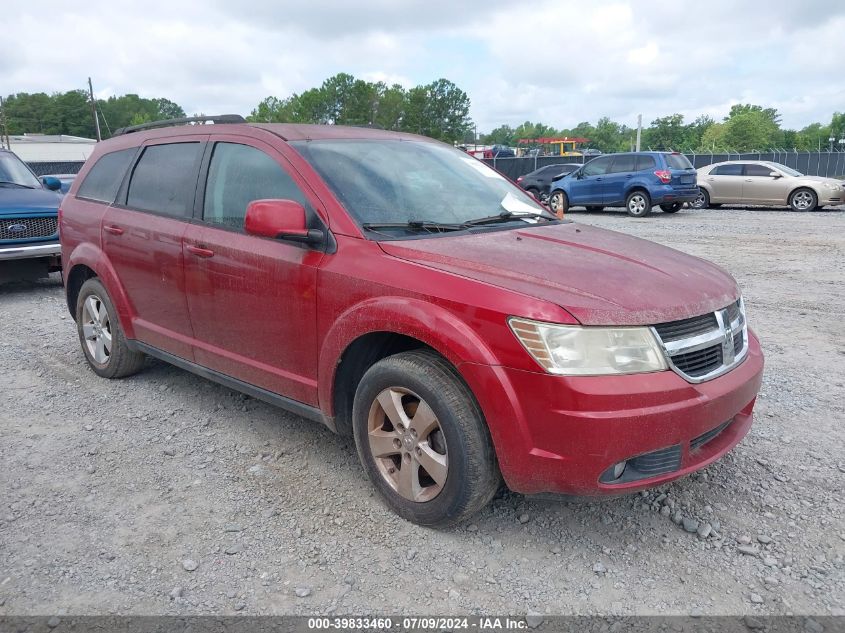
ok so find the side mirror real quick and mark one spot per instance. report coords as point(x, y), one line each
point(282, 220)
point(53, 184)
point(775, 174)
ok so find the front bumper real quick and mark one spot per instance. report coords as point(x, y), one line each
point(560, 434)
point(832, 198)
point(29, 251)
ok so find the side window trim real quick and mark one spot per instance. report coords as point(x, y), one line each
point(123, 192)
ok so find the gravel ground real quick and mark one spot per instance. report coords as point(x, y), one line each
point(167, 494)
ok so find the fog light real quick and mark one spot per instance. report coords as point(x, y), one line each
point(619, 469)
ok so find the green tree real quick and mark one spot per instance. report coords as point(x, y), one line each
point(666, 133)
point(713, 138)
point(502, 135)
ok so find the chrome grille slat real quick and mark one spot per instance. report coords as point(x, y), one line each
point(706, 346)
point(10, 227)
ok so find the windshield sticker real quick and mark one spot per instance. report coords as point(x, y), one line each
point(513, 204)
point(482, 168)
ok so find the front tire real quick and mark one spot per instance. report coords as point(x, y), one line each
point(672, 208)
point(559, 203)
point(101, 336)
point(803, 199)
point(422, 439)
point(638, 203)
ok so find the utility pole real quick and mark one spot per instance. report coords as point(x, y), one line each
point(5, 141)
point(94, 109)
point(639, 130)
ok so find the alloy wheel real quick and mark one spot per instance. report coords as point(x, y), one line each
point(407, 444)
point(803, 200)
point(699, 201)
point(637, 204)
point(96, 329)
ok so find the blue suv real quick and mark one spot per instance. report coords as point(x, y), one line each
point(28, 220)
point(637, 180)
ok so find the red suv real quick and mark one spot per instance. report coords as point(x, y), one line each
point(403, 293)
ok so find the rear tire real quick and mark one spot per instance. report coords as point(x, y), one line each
point(638, 203)
point(422, 439)
point(803, 199)
point(672, 208)
point(534, 192)
point(559, 203)
point(702, 201)
point(103, 342)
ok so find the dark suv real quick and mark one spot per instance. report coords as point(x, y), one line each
point(637, 180)
point(409, 296)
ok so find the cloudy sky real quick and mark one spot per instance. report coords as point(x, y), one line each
point(553, 61)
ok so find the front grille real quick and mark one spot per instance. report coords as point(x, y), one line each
point(706, 346)
point(27, 228)
point(702, 439)
point(677, 330)
point(700, 362)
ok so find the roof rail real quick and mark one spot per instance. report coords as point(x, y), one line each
point(218, 119)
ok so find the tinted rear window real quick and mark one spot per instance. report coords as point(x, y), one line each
point(104, 179)
point(645, 162)
point(678, 161)
point(727, 170)
point(758, 170)
point(164, 179)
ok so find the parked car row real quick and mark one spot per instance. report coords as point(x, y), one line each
point(640, 181)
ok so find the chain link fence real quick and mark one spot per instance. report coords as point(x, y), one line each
point(45, 168)
point(827, 164)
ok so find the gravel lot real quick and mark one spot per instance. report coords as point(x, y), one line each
point(167, 494)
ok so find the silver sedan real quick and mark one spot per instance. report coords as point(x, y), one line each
point(765, 183)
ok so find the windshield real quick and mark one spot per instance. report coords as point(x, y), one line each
point(398, 181)
point(786, 170)
point(12, 170)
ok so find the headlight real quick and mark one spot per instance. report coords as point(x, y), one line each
point(830, 185)
point(570, 350)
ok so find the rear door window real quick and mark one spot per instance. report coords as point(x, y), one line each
point(239, 174)
point(644, 161)
point(624, 163)
point(597, 166)
point(678, 161)
point(733, 169)
point(103, 181)
point(758, 170)
point(164, 180)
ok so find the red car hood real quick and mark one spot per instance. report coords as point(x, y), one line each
point(601, 277)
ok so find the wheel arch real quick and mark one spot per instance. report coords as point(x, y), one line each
point(86, 262)
point(358, 339)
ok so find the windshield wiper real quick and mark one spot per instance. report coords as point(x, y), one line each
point(413, 225)
point(505, 216)
point(16, 184)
